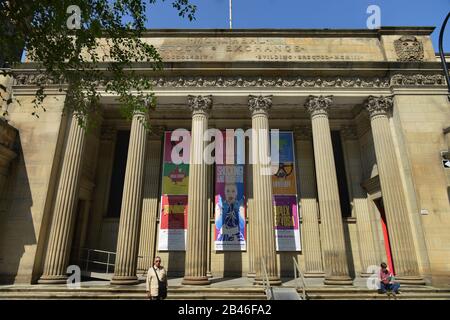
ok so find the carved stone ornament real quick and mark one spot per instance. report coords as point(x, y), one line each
point(349, 132)
point(270, 82)
point(259, 104)
point(318, 105)
point(379, 105)
point(156, 131)
point(303, 133)
point(414, 80)
point(200, 104)
point(408, 48)
point(30, 79)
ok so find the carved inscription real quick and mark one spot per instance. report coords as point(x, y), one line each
point(264, 49)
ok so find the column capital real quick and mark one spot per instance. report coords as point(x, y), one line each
point(139, 113)
point(318, 105)
point(259, 104)
point(379, 105)
point(303, 133)
point(200, 104)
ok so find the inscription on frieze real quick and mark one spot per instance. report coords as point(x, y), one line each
point(267, 49)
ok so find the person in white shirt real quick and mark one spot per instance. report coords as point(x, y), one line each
point(156, 281)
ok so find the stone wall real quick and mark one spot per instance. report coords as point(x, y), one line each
point(422, 118)
point(27, 201)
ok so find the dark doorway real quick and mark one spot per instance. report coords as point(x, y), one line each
point(118, 174)
point(76, 237)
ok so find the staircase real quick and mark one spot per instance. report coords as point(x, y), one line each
point(353, 293)
point(129, 293)
point(106, 291)
point(99, 264)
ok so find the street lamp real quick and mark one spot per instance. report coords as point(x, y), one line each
point(441, 52)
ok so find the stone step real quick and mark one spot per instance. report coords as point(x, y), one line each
point(131, 290)
point(376, 296)
point(60, 296)
point(212, 296)
point(213, 293)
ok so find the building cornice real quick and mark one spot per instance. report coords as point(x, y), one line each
point(262, 32)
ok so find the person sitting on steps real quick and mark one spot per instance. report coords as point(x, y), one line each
point(387, 282)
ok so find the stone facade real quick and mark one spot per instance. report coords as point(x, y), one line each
point(381, 92)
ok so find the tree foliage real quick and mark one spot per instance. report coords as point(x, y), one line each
point(75, 58)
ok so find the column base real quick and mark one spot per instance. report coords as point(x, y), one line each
point(124, 280)
point(195, 281)
point(209, 274)
point(338, 281)
point(273, 281)
point(313, 274)
point(411, 280)
point(365, 274)
point(251, 275)
point(59, 279)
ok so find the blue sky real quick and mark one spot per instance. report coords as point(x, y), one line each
point(305, 14)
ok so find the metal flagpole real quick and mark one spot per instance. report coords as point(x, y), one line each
point(231, 23)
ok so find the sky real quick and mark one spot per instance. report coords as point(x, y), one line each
point(343, 14)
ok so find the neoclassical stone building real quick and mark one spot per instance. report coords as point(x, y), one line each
point(369, 115)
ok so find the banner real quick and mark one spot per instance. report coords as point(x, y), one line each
point(230, 226)
point(283, 181)
point(174, 200)
point(284, 188)
point(287, 231)
point(175, 179)
point(173, 223)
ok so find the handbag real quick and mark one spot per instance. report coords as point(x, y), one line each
point(162, 288)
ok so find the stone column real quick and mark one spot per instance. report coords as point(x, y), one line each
point(211, 199)
point(130, 214)
point(198, 213)
point(152, 177)
point(308, 202)
point(249, 197)
point(400, 234)
point(360, 205)
point(250, 217)
point(262, 207)
point(333, 241)
point(7, 139)
point(64, 213)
